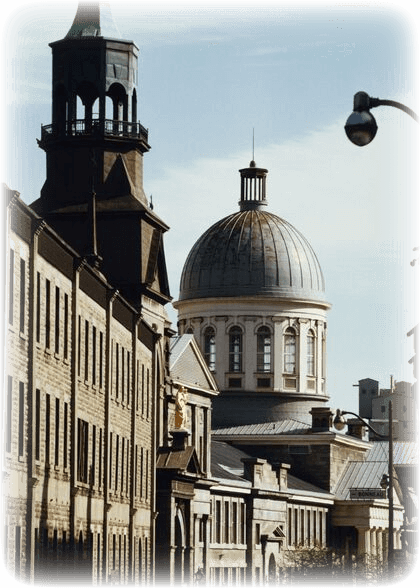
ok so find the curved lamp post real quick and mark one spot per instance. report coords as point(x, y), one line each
point(339, 423)
point(361, 125)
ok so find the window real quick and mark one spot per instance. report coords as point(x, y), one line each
point(57, 431)
point(66, 326)
point(101, 358)
point(47, 313)
point(21, 417)
point(65, 433)
point(290, 351)
point(57, 320)
point(93, 355)
point(11, 284)
point(86, 350)
point(235, 349)
point(227, 522)
point(210, 348)
point(22, 296)
point(37, 423)
point(47, 428)
point(218, 520)
point(310, 353)
point(82, 450)
point(38, 307)
point(9, 414)
point(263, 349)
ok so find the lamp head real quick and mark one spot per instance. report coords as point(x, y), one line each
point(361, 126)
point(339, 420)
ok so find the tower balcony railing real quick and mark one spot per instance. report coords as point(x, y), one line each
point(95, 128)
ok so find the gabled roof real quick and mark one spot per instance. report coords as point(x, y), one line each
point(187, 365)
point(283, 427)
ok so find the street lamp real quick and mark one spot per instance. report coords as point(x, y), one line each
point(339, 423)
point(361, 125)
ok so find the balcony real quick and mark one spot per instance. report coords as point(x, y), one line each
point(95, 128)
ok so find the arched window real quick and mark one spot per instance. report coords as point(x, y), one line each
point(235, 349)
point(210, 348)
point(290, 351)
point(263, 349)
point(310, 353)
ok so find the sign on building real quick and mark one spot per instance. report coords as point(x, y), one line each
point(366, 493)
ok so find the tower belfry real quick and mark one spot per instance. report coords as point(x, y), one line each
point(95, 139)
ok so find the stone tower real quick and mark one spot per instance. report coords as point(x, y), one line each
point(93, 194)
point(252, 293)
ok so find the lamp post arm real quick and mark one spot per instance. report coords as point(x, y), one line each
point(373, 102)
point(365, 423)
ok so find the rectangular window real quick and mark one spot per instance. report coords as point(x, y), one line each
point(110, 461)
point(57, 320)
point(122, 373)
point(135, 470)
point(82, 450)
point(79, 340)
point(227, 521)
point(11, 284)
point(93, 355)
point(234, 522)
point(141, 471)
point(22, 296)
point(117, 457)
point(146, 477)
point(148, 394)
point(122, 463)
point(218, 521)
point(100, 459)
point(66, 327)
point(38, 307)
point(86, 351)
point(127, 470)
point(65, 434)
point(101, 358)
point(117, 369)
point(37, 423)
point(142, 389)
point(17, 551)
point(57, 432)
point(137, 384)
point(9, 414)
point(47, 428)
point(21, 417)
point(47, 313)
point(93, 476)
point(242, 523)
point(128, 377)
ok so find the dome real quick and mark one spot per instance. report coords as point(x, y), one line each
point(252, 253)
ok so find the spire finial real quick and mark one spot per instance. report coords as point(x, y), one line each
point(253, 164)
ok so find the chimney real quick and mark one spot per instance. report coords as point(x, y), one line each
point(322, 419)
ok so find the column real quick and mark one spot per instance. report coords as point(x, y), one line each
point(373, 546)
point(379, 545)
point(278, 352)
point(363, 546)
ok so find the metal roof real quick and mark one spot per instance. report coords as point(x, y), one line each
point(93, 19)
point(283, 427)
point(187, 365)
point(252, 252)
point(404, 452)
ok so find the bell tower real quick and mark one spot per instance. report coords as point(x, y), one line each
point(93, 193)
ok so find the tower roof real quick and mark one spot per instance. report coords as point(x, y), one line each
point(93, 19)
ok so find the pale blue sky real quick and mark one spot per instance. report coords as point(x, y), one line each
point(209, 74)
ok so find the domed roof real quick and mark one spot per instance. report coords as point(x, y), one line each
point(252, 252)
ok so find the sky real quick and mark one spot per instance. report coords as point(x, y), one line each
point(212, 74)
